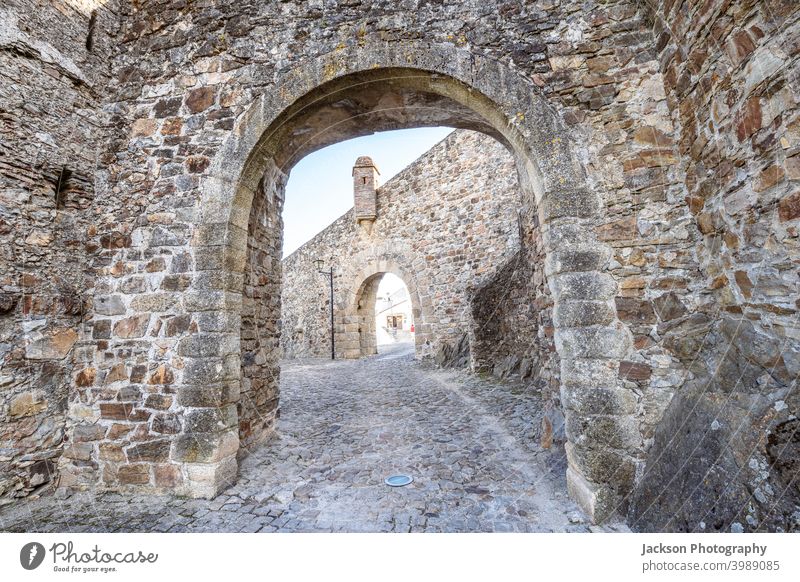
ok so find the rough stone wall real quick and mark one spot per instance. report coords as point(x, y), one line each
point(687, 141)
point(731, 74)
point(512, 312)
point(54, 67)
point(445, 224)
point(261, 313)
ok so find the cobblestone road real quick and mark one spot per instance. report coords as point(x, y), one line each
point(345, 426)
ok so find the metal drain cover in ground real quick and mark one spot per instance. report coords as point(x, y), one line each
point(398, 480)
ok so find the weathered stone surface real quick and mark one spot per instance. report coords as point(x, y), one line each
point(117, 373)
point(210, 395)
point(167, 476)
point(599, 500)
point(27, 404)
point(153, 302)
point(122, 411)
point(601, 465)
point(592, 342)
point(749, 119)
point(162, 375)
point(669, 307)
point(584, 286)
point(631, 310)
point(85, 433)
point(789, 207)
point(198, 100)
point(622, 229)
point(151, 452)
point(634, 371)
point(79, 451)
point(86, 377)
point(129, 394)
point(109, 305)
point(616, 432)
point(593, 400)
point(158, 401)
point(178, 325)
point(205, 447)
point(54, 345)
point(132, 327)
point(134, 474)
point(668, 131)
point(111, 452)
point(210, 420)
point(166, 424)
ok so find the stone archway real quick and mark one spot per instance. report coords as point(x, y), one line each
point(360, 309)
point(365, 316)
point(349, 93)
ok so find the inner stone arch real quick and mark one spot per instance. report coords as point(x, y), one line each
point(250, 190)
point(364, 309)
point(365, 328)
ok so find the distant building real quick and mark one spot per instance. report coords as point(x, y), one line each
point(394, 321)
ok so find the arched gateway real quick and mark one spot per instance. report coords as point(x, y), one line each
point(362, 339)
point(237, 250)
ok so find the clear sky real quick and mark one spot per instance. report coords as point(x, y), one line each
point(390, 284)
point(320, 186)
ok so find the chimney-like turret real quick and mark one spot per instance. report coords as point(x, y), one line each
point(365, 183)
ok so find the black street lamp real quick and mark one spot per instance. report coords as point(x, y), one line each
point(319, 263)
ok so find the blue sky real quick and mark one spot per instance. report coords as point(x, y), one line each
point(320, 186)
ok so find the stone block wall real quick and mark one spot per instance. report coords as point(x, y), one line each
point(446, 225)
point(54, 68)
point(731, 71)
point(261, 315)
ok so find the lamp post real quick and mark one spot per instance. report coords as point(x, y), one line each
point(319, 263)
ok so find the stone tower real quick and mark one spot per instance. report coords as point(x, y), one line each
point(365, 183)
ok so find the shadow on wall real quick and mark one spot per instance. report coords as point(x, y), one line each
point(726, 455)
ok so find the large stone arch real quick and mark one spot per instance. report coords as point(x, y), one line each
point(369, 88)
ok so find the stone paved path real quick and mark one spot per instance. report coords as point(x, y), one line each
point(345, 427)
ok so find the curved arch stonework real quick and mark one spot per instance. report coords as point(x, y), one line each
point(601, 428)
point(360, 340)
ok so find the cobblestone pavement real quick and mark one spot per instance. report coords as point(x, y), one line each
point(345, 426)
